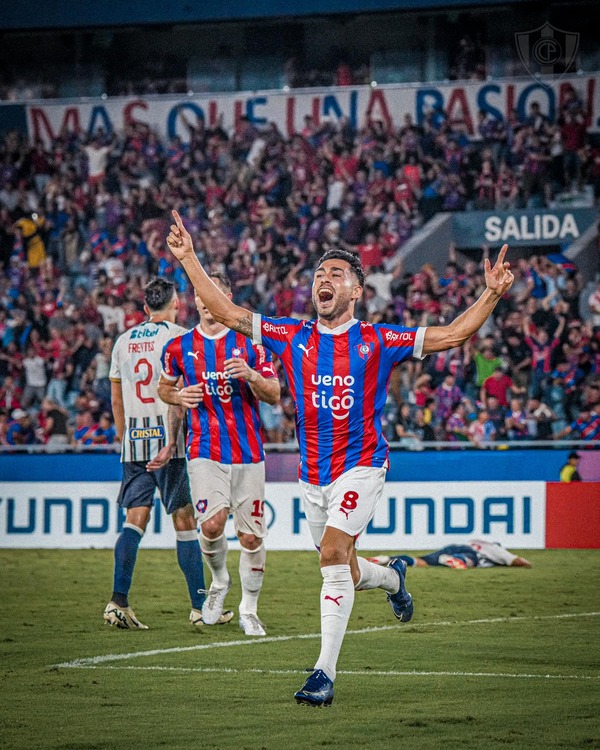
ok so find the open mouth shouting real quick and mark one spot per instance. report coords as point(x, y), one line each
point(325, 294)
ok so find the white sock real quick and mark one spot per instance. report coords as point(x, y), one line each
point(215, 554)
point(337, 598)
point(374, 576)
point(252, 571)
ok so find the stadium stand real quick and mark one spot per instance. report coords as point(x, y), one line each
point(83, 221)
point(83, 226)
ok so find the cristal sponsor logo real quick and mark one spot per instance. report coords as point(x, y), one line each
point(270, 328)
point(147, 433)
point(338, 403)
point(217, 384)
point(395, 337)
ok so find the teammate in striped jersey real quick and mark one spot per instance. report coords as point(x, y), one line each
point(224, 377)
point(339, 369)
point(152, 454)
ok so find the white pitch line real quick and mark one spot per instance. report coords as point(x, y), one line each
point(359, 672)
point(94, 660)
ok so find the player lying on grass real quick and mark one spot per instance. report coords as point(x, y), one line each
point(476, 553)
point(338, 369)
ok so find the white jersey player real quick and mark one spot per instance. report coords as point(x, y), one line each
point(153, 454)
point(136, 365)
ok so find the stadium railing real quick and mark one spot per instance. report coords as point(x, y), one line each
point(414, 445)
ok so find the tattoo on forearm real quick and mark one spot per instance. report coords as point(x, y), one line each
point(244, 326)
point(174, 420)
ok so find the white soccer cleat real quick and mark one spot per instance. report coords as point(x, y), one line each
point(251, 625)
point(122, 617)
point(197, 621)
point(213, 606)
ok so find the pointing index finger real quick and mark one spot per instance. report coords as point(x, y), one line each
point(177, 218)
point(501, 255)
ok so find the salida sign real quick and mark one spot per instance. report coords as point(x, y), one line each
point(288, 111)
point(545, 227)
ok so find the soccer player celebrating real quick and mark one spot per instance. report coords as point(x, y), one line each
point(338, 369)
point(152, 454)
point(224, 377)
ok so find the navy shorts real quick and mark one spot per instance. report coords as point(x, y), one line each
point(461, 551)
point(139, 486)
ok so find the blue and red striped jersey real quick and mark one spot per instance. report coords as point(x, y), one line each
point(225, 427)
point(339, 381)
point(589, 429)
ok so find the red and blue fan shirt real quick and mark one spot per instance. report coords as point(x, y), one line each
point(339, 381)
point(588, 427)
point(225, 427)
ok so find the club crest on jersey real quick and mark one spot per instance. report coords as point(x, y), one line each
point(365, 350)
point(202, 505)
point(237, 352)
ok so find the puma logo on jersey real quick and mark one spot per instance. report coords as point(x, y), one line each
point(194, 355)
point(304, 349)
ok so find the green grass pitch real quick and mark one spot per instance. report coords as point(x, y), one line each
point(492, 658)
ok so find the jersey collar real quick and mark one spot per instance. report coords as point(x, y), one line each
point(217, 336)
point(336, 331)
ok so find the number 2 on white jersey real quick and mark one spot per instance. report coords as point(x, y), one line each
point(145, 381)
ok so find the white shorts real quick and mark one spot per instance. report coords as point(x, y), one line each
point(347, 504)
point(240, 488)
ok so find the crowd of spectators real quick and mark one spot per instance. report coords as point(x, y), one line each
point(83, 224)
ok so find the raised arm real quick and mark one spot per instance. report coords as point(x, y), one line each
point(220, 306)
point(498, 281)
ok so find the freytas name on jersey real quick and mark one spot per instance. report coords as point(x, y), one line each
point(147, 433)
point(140, 346)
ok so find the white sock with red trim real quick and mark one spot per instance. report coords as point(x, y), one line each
point(215, 554)
point(252, 571)
point(376, 577)
point(337, 598)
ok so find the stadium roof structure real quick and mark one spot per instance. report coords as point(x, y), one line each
point(64, 14)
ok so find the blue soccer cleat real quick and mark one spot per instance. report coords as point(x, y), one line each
point(316, 691)
point(401, 603)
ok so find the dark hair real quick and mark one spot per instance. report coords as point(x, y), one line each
point(158, 293)
point(222, 278)
point(351, 258)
